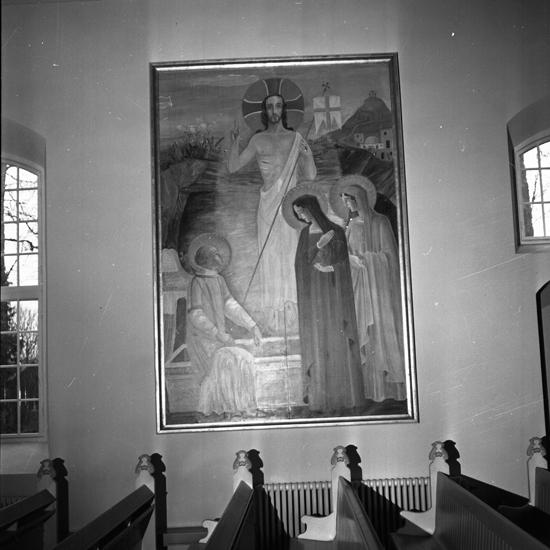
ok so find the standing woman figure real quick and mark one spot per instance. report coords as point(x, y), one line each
point(374, 262)
point(331, 364)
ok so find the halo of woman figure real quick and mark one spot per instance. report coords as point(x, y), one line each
point(374, 261)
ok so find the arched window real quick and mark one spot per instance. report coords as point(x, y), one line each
point(533, 176)
point(22, 357)
point(529, 140)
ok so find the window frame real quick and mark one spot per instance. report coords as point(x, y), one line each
point(33, 292)
point(527, 128)
point(526, 243)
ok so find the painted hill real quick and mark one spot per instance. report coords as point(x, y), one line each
point(367, 119)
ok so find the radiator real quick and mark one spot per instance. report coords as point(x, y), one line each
point(281, 505)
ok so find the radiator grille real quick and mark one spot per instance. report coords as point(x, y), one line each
point(281, 505)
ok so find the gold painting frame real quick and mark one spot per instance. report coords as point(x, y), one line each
point(249, 333)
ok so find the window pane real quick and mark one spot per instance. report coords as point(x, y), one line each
point(544, 149)
point(533, 181)
point(9, 349)
point(28, 315)
point(8, 383)
point(527, 220)
point(9, 319)
point(27, 179)
point(530, 158)
point(29, 417)
point(8, 418)
point(29, 383)
point(28, 269)
point(28, 205)
point(28, 348)
point(536, 217)
point(10, 238)
point(11, 177)
point(9, 206)
point(10, 263)
point(28, 237)
point(546, 185)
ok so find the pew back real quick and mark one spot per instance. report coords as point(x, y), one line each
point(534, 519)
point(121, 527)
point(542, 488)
point(353, 526)
point(22, 523)
point(463, 522)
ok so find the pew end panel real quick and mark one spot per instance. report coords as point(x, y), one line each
point(420, 522)
point(353, 527)
point(235, 530)
point(324, 527)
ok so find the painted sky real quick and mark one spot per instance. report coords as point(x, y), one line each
point(214, 94)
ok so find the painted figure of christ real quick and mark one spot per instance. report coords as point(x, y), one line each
point(281, 154)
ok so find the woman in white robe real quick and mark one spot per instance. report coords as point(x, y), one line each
point(374, 264)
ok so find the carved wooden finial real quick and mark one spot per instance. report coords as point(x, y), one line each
point(339, 455)
point(536, 446)
point(242, 460)
point(536, 453)
point(242, 465)
point(144, 472)
point(438, 451)
point(46, 469)
point(46, 477)
point(144, 463)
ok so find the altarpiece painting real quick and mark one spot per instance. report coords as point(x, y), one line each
point(282, 282)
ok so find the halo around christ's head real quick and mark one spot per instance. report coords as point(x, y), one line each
point(259, 90)
point(292, 195)
point(338, 188)
point(207, 239)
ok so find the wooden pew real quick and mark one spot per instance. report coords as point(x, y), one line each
point(120, 528)
point(22, 523)
point(534, 518)
point(251, 521)
point(353, 527)
point(463, 522)
point(235, 529)
point(51, 476)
